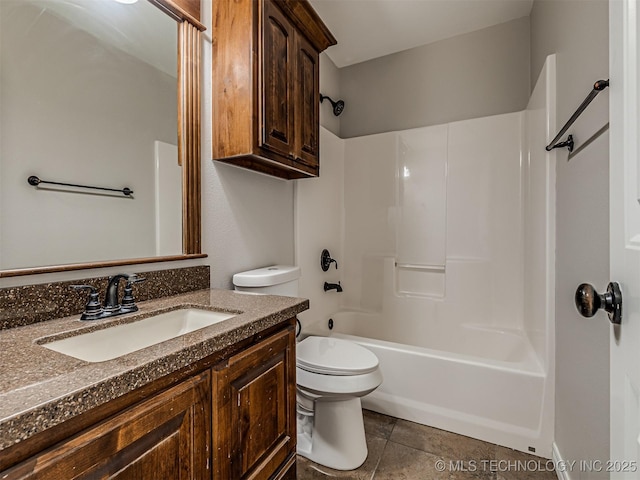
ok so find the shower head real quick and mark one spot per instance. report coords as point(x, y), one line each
point(338, 106)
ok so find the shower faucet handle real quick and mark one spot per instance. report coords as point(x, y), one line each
point(326, 260)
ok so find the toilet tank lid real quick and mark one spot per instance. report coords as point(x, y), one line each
point(267, 276)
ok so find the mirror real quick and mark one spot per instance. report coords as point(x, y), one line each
point(88, 97)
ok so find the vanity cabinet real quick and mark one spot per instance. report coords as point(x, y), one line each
point(254, 401)
point(266, 85)
point(166, 436)
point(229, 416)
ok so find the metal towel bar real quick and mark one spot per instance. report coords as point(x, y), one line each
point(35, 181)
point(597, 88)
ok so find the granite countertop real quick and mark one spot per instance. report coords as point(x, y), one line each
point(40, 388)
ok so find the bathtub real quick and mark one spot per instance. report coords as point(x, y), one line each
point(469, 379)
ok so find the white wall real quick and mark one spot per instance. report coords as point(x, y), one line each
point(478, 74)
point(539, 175)
point(319, 225)
point(484, 216)
point(577, 31)
point(539, 168)
point(168, 199)
point(480, 210)
point(247, 217)
point(421, 192)
point(482, 252)
point(247, 221)
point(65, 122)
point(369, 229)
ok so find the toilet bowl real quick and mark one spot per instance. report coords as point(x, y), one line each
point(331, 375)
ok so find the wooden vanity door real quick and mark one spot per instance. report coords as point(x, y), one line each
point(164, 437)
point(254, 428)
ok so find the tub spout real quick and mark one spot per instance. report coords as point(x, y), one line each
point(332, 286)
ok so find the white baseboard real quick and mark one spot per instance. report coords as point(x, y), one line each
point(559, 461)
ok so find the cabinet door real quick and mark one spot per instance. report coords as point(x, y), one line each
point(165, 437)
point(254, 411)
point(307, 98)
point(276, 112)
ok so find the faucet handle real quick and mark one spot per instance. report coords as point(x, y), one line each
point(326, 260)
point(93, 309)
point(91, 288)
point(133, 278)
point(128, 302)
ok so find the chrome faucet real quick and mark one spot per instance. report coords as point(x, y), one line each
point(332, 286)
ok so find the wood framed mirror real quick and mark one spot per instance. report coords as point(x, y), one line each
point(186, 14)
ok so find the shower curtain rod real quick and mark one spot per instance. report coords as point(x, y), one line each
point(597, 88)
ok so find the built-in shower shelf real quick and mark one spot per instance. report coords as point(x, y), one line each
point(426, 268)
point(420, 280)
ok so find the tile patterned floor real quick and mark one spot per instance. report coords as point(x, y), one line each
point(402, 450)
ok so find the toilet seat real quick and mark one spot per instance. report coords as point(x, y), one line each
point(337, 386)
point(334, 356)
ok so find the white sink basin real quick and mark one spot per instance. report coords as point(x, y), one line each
point(119, 340)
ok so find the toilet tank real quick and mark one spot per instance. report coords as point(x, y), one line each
point(273, 280)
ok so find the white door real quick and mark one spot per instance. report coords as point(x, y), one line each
point(625, 235)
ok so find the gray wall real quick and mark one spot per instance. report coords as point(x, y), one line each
point(330, 86)
point(578, 32)
point(481, 73)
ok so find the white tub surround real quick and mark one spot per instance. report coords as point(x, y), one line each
point(448, 270)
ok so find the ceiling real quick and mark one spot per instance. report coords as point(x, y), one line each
point(367, 29)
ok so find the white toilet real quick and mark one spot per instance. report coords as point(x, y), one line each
point(332, 375)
